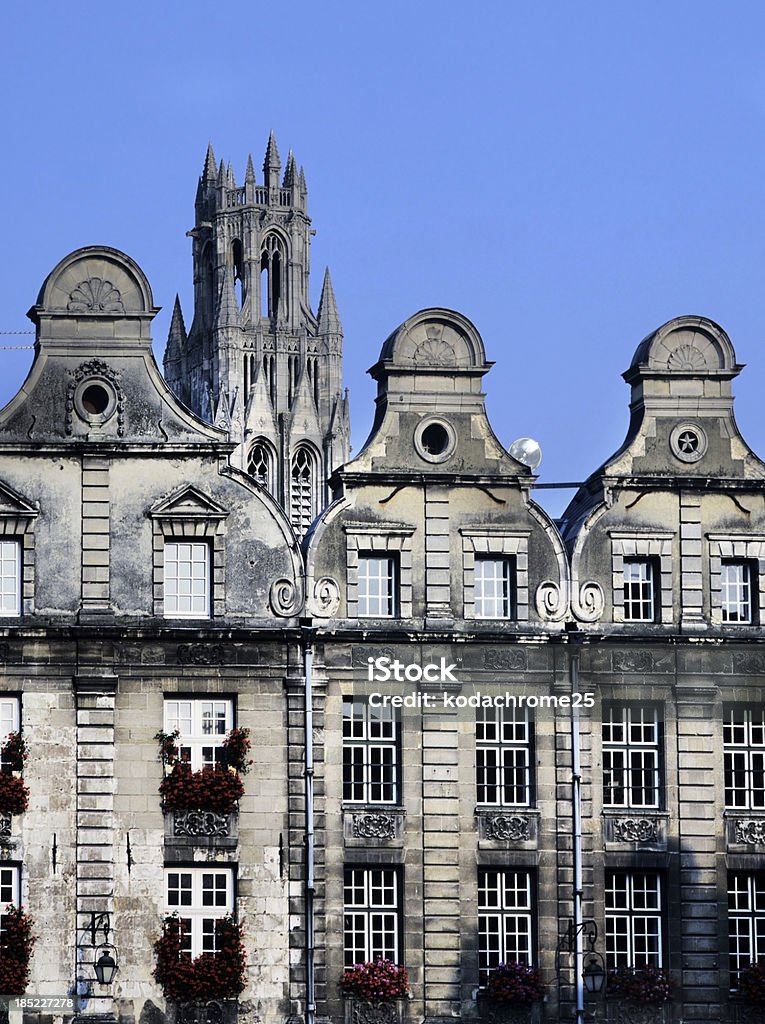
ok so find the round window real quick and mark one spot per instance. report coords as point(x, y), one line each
point(688, 442)
point(95, 401)
point(434, 439)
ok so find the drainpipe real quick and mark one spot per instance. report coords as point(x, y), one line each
point(576, 804)
point(310, 888)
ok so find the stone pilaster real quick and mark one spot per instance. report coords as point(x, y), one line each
point(698, 757)
point(691, 599)
point(96, 525)
point(438, 609)
point(441, 863)
point(95, 708)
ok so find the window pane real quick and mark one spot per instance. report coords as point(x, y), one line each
point(371, 740)
point(492, 582)
point(371, 915)
point(504, 918)
point(376, 586)
point(10, 578)
point(187, 579)
point(639, 590)
point(503, 757)
point(631, 757)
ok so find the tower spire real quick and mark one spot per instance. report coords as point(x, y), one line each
point(210, 167)
point(271, 164)
point(255, 352)
point(328, 318)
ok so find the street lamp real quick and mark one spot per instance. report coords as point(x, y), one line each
point(105, 966)
point(594, 974)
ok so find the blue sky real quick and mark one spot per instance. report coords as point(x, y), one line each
point(568, 175)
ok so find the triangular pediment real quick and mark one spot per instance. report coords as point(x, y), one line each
point(188, 503)
point(12, 504)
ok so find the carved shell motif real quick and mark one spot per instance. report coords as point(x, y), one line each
point(686, 357)
point(95, 296)
point(435, 352)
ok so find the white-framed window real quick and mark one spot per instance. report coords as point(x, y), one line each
point(371, 742)
point(505, 918)
point(9, 885)
point(200, 896)
point(202, 724)
point(639, 590)
point(371, 915)
point(736, 574)
point(10, 578)
point(493, 587)
point(642, 577)
point(634, 919)
point(736, 593)
point(377, 585)
point(187, 579)
point(744, 758)
point(495, 573)
point(10, 719)
point(746, 920)
point(503, 757)
point(632, 741)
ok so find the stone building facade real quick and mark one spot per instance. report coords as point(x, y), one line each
point(154, 580)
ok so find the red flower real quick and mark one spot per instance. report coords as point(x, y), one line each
point(219, 975)
point(375, 981)
point(515, 982)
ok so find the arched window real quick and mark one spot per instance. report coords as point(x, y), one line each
point(260, 464)
point(303, 489)
point(237, 259)
point(271, 276)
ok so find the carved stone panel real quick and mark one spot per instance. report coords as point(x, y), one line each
point(367, 827)
point(635, 829)
point(201, 823)
point(746, 833)
point(191, 830)
point(509, 827)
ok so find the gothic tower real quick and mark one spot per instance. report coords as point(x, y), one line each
point(256, 360)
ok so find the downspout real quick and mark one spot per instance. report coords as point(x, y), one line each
point(310, 982)
point(576, 806)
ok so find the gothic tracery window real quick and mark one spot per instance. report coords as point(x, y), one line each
point(271, 269)
point(260, 464)
point(302, 489)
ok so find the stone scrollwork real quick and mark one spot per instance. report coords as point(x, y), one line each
point(635, 830)
point(373, 826)
point(201, 823)
point(201, 654)
point(386, 1011)
point(751, 832)
point(590, 603)
point(514, 828)
point(551, 601)
point(326, 597)
point(286, 598)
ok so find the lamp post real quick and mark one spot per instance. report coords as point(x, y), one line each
point(102, 961)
